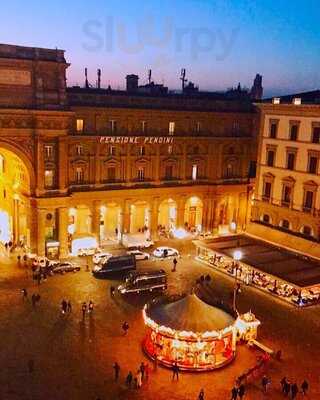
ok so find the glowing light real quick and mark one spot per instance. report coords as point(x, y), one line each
point(71, 229)
point(88, 242)
point(179, 233)
point(233, 226)
point(237, 255)
point(103, 209)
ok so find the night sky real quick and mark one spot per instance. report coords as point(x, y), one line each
point(220, 43)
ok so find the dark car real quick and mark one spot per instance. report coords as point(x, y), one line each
point(115, 265)
point(64, 267)
point(141, 282)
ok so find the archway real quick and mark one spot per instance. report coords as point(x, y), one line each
point(193, 213)
point(140, 218)
point(110, 221)
point(168, 214)
point(15, 191)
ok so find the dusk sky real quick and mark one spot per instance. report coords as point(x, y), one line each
point(220, 43)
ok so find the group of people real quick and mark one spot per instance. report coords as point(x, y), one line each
point(35, 298)
point(238, 391)
point(87, 308)
point(292, 389)
point(66, 306)
point(131, 380)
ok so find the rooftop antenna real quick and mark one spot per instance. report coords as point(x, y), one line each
point(99, 78)
point(183, 78)
point(149, 76)
point(86, 76)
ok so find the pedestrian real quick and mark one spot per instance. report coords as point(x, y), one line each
point(139, 378)
point(234, 393)
point(241, 391)
point(175, 262)
point(294, 390)
point(64, 306)
point(69, 307)
point(125, 327)
point(129, 379)
point(24, 294)
point(201, 395)
point(112, 291)
point(265, 382)
point(146, 371)
point(142, 369)
point(304, 387)
point(31, 366)
point(87, 267)
point(286, 389)
point(34, 299)
point(116, 368)
point(283, 383)
point(91, 306)
point(175, 371)
point(84, 309)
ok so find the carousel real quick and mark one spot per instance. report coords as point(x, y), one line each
point(191, 333)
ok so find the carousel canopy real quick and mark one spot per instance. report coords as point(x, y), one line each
point(190, 314)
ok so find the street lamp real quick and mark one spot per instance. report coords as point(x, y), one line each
point(237, 256)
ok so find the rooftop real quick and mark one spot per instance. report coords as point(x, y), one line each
point(31, 53)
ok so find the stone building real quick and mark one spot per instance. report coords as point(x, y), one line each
point(82, 161)
point(286, 205)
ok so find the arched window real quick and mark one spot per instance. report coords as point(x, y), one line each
point(266, 218)
point(285, 224)
point(307, 230)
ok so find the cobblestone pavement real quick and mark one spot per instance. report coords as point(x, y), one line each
point(73, 359)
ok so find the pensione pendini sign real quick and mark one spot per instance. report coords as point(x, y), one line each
point(139, 140)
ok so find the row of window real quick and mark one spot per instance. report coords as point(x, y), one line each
point(306, 230)
point(293, 132)
point(309, 197)
point(111, 175)
point(312, 165)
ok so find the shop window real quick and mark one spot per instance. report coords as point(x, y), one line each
point(307, 231)
point(172, 126)
point(194, 172)
point(266, 219)
point(80, 125)
point(48, 178)
point(285, 224)
point(313, 165)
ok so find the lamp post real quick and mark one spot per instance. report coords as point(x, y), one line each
point(237, 255)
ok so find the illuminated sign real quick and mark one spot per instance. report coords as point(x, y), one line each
point(136, 139)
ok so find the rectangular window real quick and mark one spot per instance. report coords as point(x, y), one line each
point(48, 178)
point(169, 172)
point(79, 175)
point(294, 132)
point(169, 149)
point(48, 150)
point(142, 150)
point(198, 127)
point(291, 157)
point(144, 126)
point(270, 158)
point(113, 125)
point(286, 195)
point(111, 174)
point(313, 165)
point(194, 172)
point(141, 173)
point(80, 125)
point(273, 130)
point(112, 150)
point(308, 200)
point(267, 190)
point(316, 135)
point(171, 128)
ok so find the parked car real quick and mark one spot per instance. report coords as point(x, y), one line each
point(115, 264)
point(87, 252)
point(138, 282)
point(101, 257)
point(63, 267)
point(139, 255)
point(164, 251)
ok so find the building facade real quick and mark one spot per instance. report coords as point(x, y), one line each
point(286, 205)
point(80, 161)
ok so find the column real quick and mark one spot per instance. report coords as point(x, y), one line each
point(33, 226)
point(180, 212)
point(126, 216)
point(41, 240)
point(97, 164)
point(205, 214)
point(95, 212)
point(154, 211)
point(63, 231)
point(39, 166)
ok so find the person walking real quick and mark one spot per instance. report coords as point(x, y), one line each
point(201, 395)
point(175, 371)
point(24, 294)
point(69, 307)
point(87, 267)
point(112, 291)
point(175, 262)
point(234, 393)
point(294, 390)
point(241, 391)
point(265, 382)
point(116, 368)
point(91, 307)
point(139, 378)
point(304, 387)
point(125, 328)
point(283, 383)
point(64, 306)
point(286, 388)
point(34, 299)
point(129, 379)
point(84, 309)
point(142, 369)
